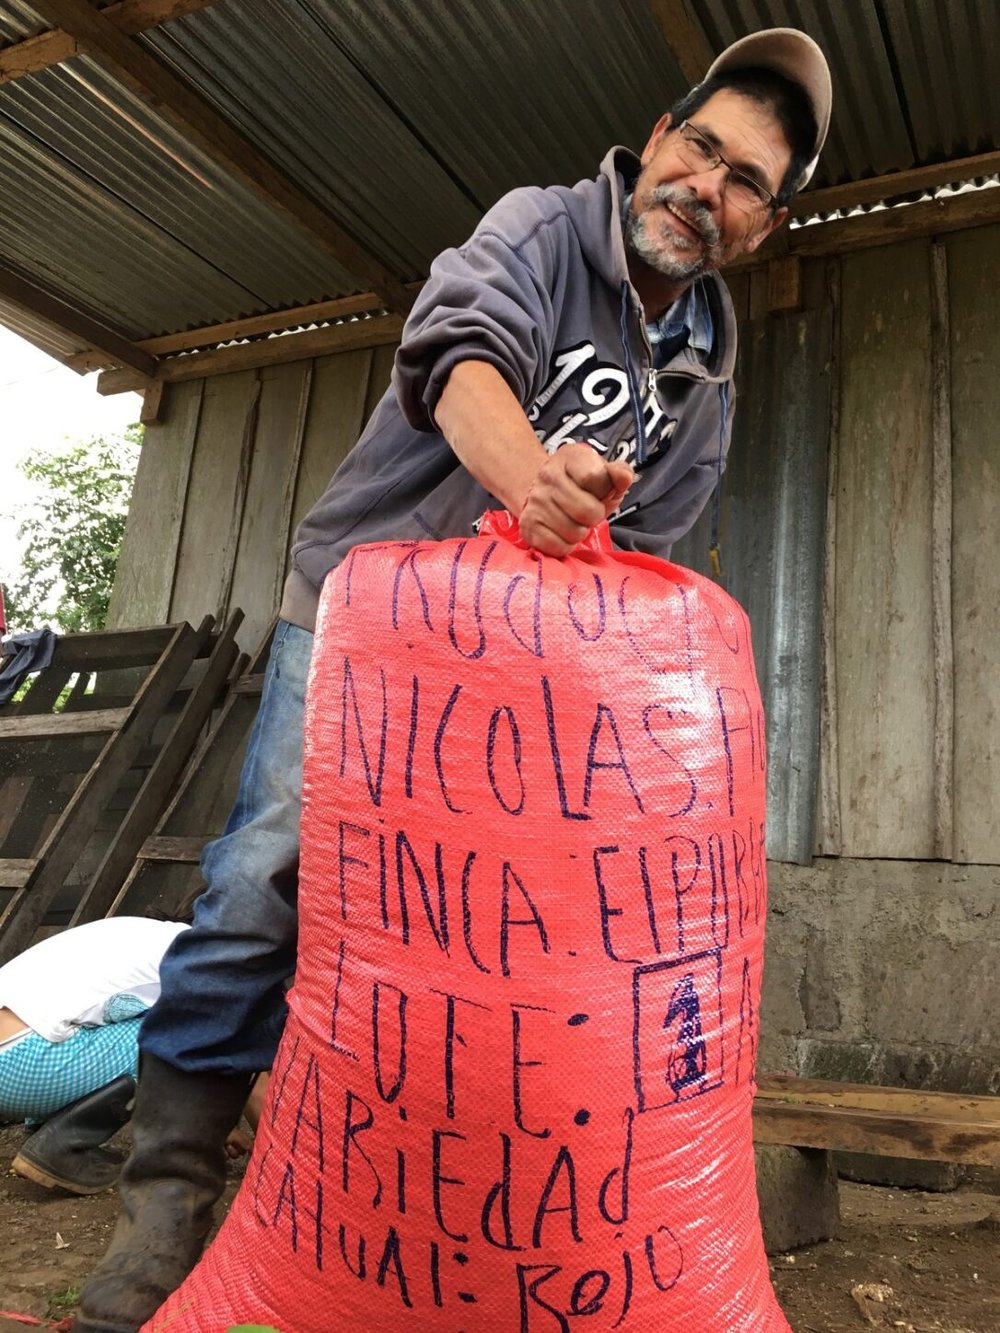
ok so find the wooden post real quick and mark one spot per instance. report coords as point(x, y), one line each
point(152, 403)
point(784, 284)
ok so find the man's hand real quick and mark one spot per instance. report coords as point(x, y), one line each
point(573, 491)
point(558, 497)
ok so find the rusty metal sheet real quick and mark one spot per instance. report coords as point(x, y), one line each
point(772, 525)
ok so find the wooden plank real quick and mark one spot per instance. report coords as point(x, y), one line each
point(162, 848)
point(253, 684)
point(70, 318)
point(373, 332)
point(882, 620)
point(974, 274)
point(887, 226)
point(828, 828)
point(941, 544)
point(43, 690)
point(98, 895)
point(759, 302)
point(109, 650)
point(264, 536)
point(16, 872)
point(337, 401)
point(165, 873)
point(44, 726)
point(739, 290)
point(53, 47)
point(144, 575)
point(378, 381)
point(215, 496)
point(685, 37)
point(790, 1089)
point(30, 759)
point(880, 1133)
point(895, 184)
point(26, 908)
point(252, 326)
point(196, 118)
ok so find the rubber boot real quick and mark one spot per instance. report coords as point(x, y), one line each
point(66, 1153)
point(168, 1188)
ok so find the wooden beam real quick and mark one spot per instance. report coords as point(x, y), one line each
point(184, 850)
point(268, 352)
point(685, 37)
point(74, 321)
point(894, 185)
point(890, 1122)
point(47, 726)
point(253, 326)
point(52, 48)
point(16, 872)
point(152, 403)
point(942, 546)
point(784, 283)
point(194, 117)
point(932, 217)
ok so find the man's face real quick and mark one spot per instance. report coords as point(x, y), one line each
point(683, 223)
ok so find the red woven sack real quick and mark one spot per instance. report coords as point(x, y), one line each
point(515, 1088)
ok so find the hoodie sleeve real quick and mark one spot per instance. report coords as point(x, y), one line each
point(490, 300)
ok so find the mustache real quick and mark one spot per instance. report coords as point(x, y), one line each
point(693, 210)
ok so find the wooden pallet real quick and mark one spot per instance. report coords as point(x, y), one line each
point(62, 769)
point(165, 875)
point(887, 1122)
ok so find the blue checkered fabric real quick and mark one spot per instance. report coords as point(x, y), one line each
point(39, 1077)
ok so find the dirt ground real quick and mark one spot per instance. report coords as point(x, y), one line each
point(903, 1259)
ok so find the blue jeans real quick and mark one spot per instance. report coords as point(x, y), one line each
point(222, 998)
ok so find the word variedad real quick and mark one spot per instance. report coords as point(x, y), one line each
point(344, 1182)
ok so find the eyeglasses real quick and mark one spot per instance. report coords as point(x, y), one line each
point(700, 154)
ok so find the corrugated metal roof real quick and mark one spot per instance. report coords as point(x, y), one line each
point(40, 332)
point(276, 73)
point(914, 81)
point(946, 57)
point(19, 21)
point(404, 120)
point(75, 135)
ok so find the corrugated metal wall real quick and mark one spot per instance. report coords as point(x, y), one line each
point(772, 531)
point(859, 523)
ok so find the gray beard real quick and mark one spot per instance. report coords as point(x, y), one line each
point(652, 250)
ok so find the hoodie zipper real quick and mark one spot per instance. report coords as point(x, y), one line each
point(635, 395)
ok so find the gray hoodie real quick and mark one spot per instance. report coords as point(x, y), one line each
point(540, 291)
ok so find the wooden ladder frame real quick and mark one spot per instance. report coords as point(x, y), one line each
point(169, 652)
point(164, 876)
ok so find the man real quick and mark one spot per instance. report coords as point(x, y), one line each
point(572, 362)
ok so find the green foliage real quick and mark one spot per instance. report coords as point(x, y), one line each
point(73, 535)
point(62, 1303)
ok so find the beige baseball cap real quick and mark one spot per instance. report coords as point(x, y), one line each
point(794, 55)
